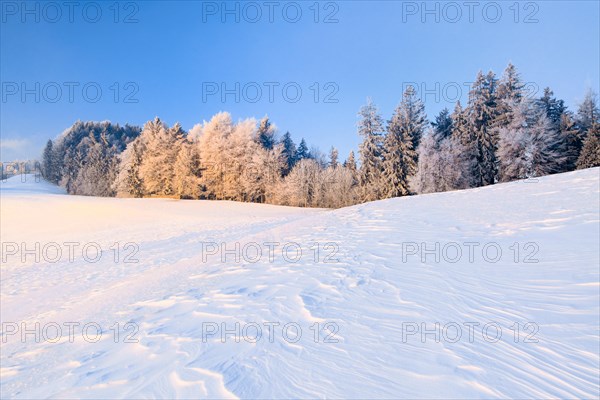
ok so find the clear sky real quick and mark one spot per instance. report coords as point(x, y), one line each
point(174, 59)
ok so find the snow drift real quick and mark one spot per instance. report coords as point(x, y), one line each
point(482, 293)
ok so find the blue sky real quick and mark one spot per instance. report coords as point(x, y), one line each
point(169, 54)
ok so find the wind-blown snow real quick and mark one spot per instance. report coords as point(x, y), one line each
point(368, 300)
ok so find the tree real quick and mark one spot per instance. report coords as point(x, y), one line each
point(50, 170)
point(590, 154)
point(288, 152)
point(350, 163)
point(266, 134)
point(588, 114)
point(98, 171)
point(510, 90)
point(129, 182)
point(464, 145)
point(333, 157)
point(212, 145)
point(399, 147)
point(530, 146)
point(370, 128)
point(302, 152)
point(442, 125)
point(186, 172)
point(562, 120)
point(162, 145)
point(482, 114)
point(440, 167)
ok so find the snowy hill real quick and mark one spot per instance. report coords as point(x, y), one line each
point(484, 293)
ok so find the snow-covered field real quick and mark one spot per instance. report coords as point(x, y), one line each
point(353, 316)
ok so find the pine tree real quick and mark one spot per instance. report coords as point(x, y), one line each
point(399, 147)
point(442, 125)
point(370, 128)
point(482, 114)
point(590, 153)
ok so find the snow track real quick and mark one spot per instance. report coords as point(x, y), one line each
point(383, 285)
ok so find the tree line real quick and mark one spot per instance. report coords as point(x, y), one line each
point(499, 136)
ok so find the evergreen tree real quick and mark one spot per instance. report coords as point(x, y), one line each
point(266, 134)
point(442, 125)
point(562, 121)
point(333, 157)
point(530, 146)
point(370, 128)
point(350, 165)
point(49, 163)
point(465, 146)
point(302, 152)
point(590, 154)
point(288, 152)
point(588, 114)
point(509, 91)
point(399, 148)
point(482, 114)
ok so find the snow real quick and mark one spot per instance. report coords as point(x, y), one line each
point(365, 304)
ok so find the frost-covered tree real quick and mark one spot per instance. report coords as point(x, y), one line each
point(129, 182)
point(510, 90)
point(350, 164)
point(333, 157)
point(213, 146)
point(562, 121)
point(370, 128)
point(161, 149)
point(588, 114)
point(399, 147)
point(186, 172)
point(530, 146)
point(98, 171)
point(441, 166)
point(482, 114)
point(465, 141)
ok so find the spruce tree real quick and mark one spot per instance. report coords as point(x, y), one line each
point(333, 157)
point(302, 152)
point(404, 132)
point(590, 153)
point(482, 114)
point(266, 134)
point(288, 152)
point(442, 125)
point(370, 128)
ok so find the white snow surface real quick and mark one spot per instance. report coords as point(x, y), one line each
point(364, 304)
